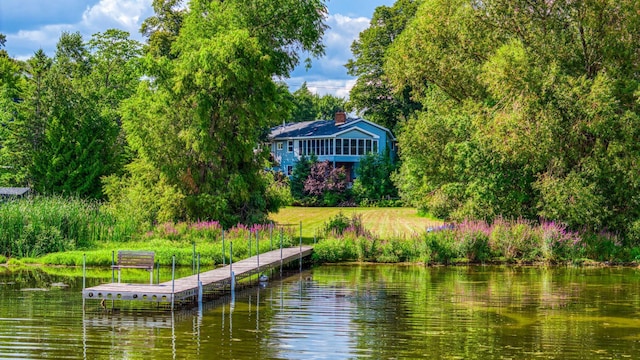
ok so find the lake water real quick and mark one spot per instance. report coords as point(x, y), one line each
point(341, 312)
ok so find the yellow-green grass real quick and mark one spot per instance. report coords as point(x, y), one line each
point(384, 222)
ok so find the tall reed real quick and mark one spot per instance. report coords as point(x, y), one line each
point(39, 225)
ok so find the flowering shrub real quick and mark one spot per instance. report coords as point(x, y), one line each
point(477, 242)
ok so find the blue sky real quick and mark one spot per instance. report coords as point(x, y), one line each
point(33, 24)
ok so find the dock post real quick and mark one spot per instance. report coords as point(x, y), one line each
point(250, 243)
point(198, 268)
point(281, 236)
point(224, 256)
point(258, 250)
point(271, 236)
point(233, 295)
point(158, 270)
point(173, 281)
point(84, 276)
point(84, 271)
point(193, 259)
point(233, 282)
point(231, 266)
point(113, 263)
point(199, 285)
point(300, 246)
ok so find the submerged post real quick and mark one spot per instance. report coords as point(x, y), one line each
point(173, 281)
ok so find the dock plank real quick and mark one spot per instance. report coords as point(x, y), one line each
point(187, 287)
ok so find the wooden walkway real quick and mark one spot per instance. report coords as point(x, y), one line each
point(186, 289)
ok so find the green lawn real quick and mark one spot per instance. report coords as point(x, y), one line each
point(382, 221)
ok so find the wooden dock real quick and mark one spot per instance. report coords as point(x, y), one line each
point(185, 289)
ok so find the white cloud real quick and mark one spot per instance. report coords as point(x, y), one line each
point(322, 86)
point(328, 74)
point(121, 14)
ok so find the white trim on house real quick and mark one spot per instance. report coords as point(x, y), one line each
point(356, 129)
point(355, 121)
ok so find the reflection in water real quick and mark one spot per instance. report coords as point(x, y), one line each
point(339, 312)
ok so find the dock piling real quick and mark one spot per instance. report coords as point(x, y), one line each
point(173, 281)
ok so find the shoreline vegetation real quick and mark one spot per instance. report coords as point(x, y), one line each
point(60, 231)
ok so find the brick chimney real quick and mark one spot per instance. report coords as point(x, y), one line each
point(341, 118)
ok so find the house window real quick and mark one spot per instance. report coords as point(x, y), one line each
point(361, 147)
point(338, 146)
point(289, 170)
point(367, 147)
point(345, 147)
point(280, 146)
point(375, 146)
point(354, 147)
point(290, 146)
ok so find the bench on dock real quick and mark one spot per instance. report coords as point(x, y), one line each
point(129, 259)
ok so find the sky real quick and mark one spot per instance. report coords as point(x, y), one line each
point(33, 24)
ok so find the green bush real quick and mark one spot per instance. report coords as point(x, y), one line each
point(444, 246)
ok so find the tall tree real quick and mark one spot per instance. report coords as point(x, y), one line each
point(199, 120)
point(531, 110)
point(163, 28)
point(308, 106)
point(372, 92)
point(73, 106)
point(327, 105)
point(303, 104)
point(12, 86)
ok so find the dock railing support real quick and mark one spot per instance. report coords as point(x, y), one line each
point(233, 278)
point(113, 263)
point(281, 238)
point(173, 281)
point(199, 285)
point(224, 256)
point(193, 259)
point(271, 236)
point(84, 271)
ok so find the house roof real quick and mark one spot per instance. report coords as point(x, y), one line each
point(318, 128)
point(13, 191)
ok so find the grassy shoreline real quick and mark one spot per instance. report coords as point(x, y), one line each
point(56, 231)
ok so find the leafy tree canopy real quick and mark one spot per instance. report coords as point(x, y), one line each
point(372, 93)
point(532, 110)
point(308, 106)
point(198, 120)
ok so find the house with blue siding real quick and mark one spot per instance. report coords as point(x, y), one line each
point(342, 141)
